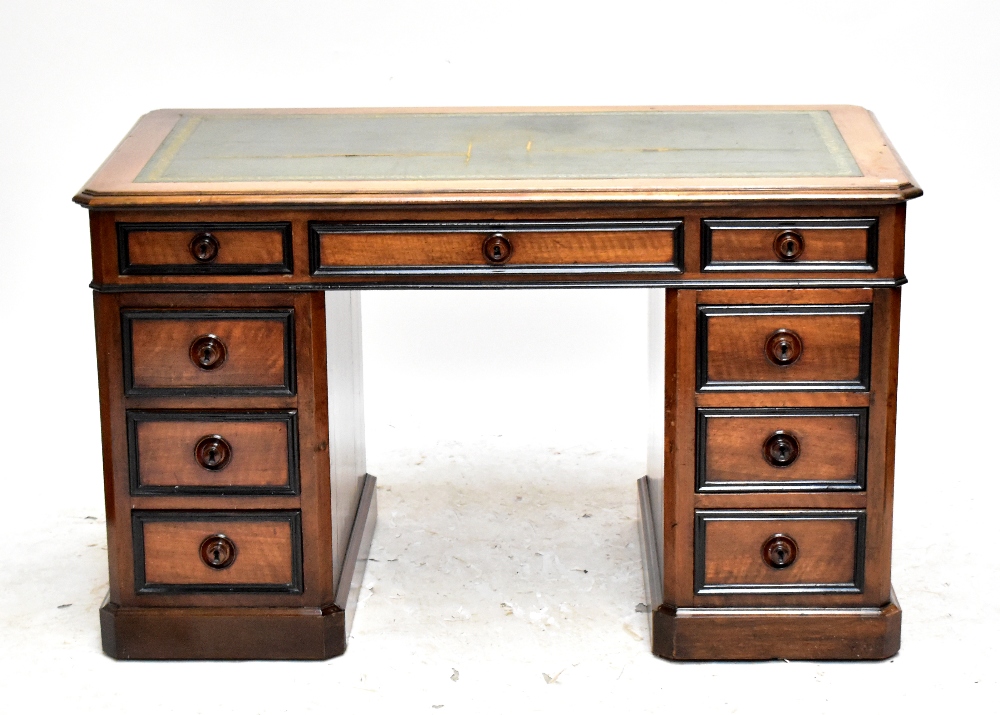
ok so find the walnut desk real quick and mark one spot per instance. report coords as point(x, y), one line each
point(229, 248)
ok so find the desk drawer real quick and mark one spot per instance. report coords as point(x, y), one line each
point(516, 247)
point(780, 551)
point(801, 347)
point(235, 552)
point(780, 450)
point(837, 244)
point(204, 248)
point(212, 352)
point(182, 452)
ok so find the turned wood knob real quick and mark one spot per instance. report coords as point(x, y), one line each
point(779, 551)
point(497, 248)
point(204, 248)
point(213, 453)
point(208, 352)
point(783, 347)
point(218, 551)
point(781, 449)
point(788, 245)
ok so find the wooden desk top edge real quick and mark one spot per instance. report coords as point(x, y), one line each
point(885, 179)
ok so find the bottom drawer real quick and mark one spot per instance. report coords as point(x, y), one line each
point(211, 552)
point(779, 551)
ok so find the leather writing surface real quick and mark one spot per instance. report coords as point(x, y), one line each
point(500, 145)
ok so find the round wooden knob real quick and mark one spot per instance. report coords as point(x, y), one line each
point(208, 352)
point(497, 248)
point(779, 551)
point(788, 245)
point(213, 453)
point(204, 248)
point(781, 449)
point(218, 551)
point(783, 347)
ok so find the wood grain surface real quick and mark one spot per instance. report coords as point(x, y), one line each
point(831, 348)
point(166, 453)
point(466, 248)
point(240, 246)
point(828, 449)
point(172, 552)
point(255, 350)
point(732, 551)
point(819, 245)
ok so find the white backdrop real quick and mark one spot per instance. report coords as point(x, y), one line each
point(75, 76)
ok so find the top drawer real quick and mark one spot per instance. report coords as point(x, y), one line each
point(522, 247)
point(188, 249)
point(816, 244)
point(223, 352)
point(783, 347)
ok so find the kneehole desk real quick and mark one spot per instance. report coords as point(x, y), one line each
point(229, 247)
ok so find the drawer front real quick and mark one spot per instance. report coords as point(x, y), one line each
point(813, 347)
point(839, 244)
point(204, 248)
point(518, 248)
point(234, 552)
point(213, 352)
point(775, 450)
point(786, 551)
point(181, 452)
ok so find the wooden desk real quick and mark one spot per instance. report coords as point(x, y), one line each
point(229, 248)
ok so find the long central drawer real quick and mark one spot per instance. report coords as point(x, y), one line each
point(515, 247)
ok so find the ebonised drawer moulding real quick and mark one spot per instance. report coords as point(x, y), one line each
point(783, 376)
point(138, 487)
point(219, 521)
point(783, 421)
point(805, 233)
point(784, 522)
point(211, 322)
point(205, 260)
point(229, 251)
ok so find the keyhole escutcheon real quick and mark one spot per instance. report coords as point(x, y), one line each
point(204, 248)
point(218, 551)
point(779, 551)
point(213, 453)
point(783, 348)
point(497, 249)
point(208, 352)
point(781, 449)
point(788, 245)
